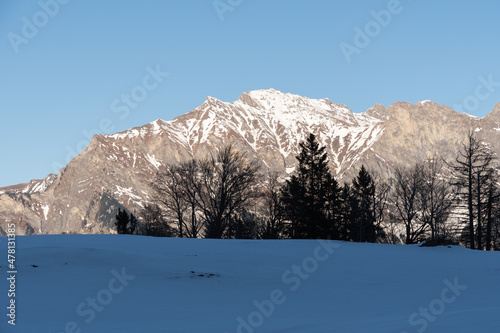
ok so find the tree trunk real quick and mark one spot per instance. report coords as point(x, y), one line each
point(470, 206)
point(488, 221)
point(479, 215)
point(408, 233)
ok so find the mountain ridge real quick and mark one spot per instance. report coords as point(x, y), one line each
point(114, 170)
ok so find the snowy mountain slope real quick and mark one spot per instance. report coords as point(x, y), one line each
point(114, 283)
point(267, 125)
point(33, 186)
point(268, 122)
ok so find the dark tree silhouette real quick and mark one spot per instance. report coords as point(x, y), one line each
point(189, 174)
point(436, 198)
point(472, 169)
point(492, 210)
point(245, 225)
point(310, 195)
point(132, 224)
point(346, 212)
point(363, 227)
point(225, 185)
point(273, 227)
point(153, 223)
point(170, 190)
point(207, 194)
point(122, 220)
point(407, 187)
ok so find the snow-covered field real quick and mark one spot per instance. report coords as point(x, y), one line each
point(117, 283)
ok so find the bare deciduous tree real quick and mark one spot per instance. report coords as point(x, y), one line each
point(436, 198)
point(189, 176)
point(408, 183)
point(492, 207)
point(381, 205)
point(273, 208)
point(225, 185)
point(471, 168)
point(207, 194)
point(169, 187)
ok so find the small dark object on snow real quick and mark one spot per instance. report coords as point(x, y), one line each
point(438, 242)
point(208, 275)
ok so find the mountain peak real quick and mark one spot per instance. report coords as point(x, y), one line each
point(424, 102)
point(212, 100)
point(494, 115)
point(245, 98)
point(254, 98)
point(378, 111)
point(278, 101)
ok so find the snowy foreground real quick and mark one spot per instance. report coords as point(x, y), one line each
point(117, 283)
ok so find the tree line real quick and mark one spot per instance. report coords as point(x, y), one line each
point(226, 196)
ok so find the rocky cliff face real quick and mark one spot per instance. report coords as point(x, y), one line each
point(115, 170)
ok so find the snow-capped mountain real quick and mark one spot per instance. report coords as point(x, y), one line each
point(268, 125)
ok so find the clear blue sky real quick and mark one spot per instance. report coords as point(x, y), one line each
point(61, 79)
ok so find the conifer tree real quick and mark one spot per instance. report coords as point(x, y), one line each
point(121, 221)
point(307, 193)
point(125, 224)
point(132, 224)
point(363, 228)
